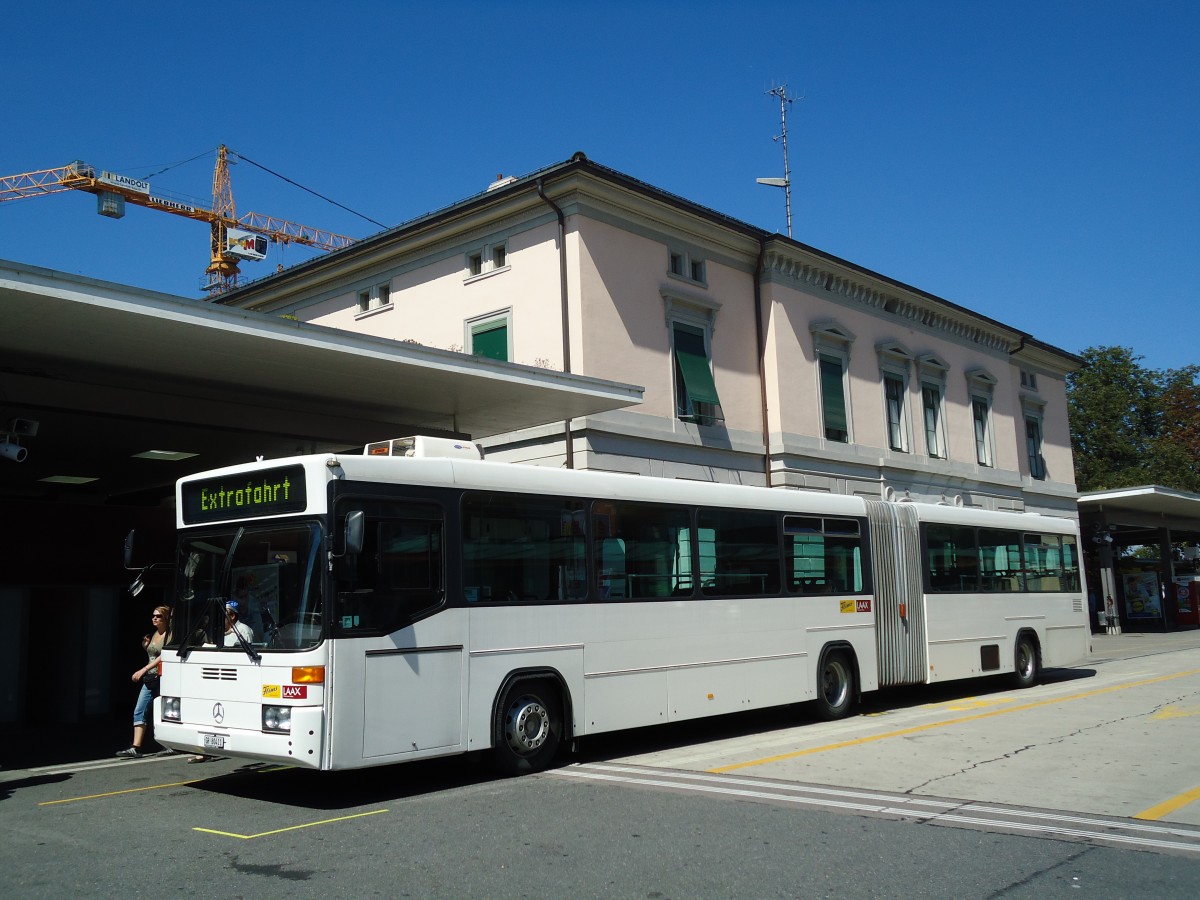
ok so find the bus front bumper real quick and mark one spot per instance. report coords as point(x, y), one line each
point(300, 747)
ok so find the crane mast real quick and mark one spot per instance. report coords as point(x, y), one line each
point(113, 191)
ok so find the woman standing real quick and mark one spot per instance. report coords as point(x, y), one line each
point(153, 644)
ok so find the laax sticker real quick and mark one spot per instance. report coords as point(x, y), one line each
point(295, 691)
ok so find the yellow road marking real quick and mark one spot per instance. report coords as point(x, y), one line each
point(1171, 711)
point(248, 837)
point(916, 729)
point(968, 703)
point(153, 787)
point(1169, 806)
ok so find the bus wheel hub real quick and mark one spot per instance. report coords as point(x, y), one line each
point(527, 725)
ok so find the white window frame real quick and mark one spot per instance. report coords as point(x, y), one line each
point(895, 363)
point(981, 389)
point(834, 341)
point(1034, 455)
point(698, 312)
point(931, 372)
point(687, 265)
point(483, 262)
point(487, 322)
point(374, 299)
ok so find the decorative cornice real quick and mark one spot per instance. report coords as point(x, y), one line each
point(789, 267)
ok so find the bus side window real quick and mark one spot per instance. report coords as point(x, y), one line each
point(398, 573)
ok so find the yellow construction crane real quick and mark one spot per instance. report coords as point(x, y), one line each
point(233, 238)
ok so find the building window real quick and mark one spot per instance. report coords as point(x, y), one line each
point(981, 384)
point(833, 399)
point(374, 298)
point(1033, 445)
point(981, 415)
point(687, 266)
point(932, 372)
point(487, 260)
point(1028, 380)
point(894, 366)
point(897, 424)
point(931, 405)
point(831, 347)
point(696, 397)
point(489, 336)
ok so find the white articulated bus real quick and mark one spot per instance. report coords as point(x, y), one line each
point(417, 601)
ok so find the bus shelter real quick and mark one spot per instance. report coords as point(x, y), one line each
point(1142, 548)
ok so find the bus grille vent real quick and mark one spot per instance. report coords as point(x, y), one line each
point(212, 673)
point(1077, 605)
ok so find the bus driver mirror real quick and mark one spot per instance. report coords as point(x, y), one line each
point(129, 551)
point(354, 532)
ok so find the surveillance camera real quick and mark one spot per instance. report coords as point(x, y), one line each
point(23, 427)
point(15, 452)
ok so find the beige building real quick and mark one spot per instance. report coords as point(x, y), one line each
point(764, 361)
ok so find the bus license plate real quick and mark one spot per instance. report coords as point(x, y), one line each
point(214, 742)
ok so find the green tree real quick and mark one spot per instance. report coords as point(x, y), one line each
point(1178, 441)
point(1131, 425)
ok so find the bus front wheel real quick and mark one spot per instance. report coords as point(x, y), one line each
point(1026, 664)
point(835, 685)
point(529, 727)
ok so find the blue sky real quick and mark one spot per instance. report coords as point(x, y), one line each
point(1038, 162)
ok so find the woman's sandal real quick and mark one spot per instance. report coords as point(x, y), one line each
point(199, 759)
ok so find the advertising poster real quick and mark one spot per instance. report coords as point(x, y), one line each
point(1142, 597)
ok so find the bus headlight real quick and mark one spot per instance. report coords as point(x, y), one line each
point(277, 719)
point(170, 709)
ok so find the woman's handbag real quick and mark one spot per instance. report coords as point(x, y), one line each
point(150, 679)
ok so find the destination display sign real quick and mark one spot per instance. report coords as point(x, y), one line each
point(271, 492)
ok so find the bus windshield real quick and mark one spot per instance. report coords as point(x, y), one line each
point(267, 575)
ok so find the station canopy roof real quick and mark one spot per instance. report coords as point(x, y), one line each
point(1138, 512)
point(109, 373)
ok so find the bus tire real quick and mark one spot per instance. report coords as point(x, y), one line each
point(835, 685)
point(529, 726)
point(1026, 661)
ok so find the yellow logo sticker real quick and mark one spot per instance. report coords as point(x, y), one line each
point(847, 606)
point(272, 691)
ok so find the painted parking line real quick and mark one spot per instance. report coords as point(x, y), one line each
point(946, 723)
point(906, 807)
point(250, 837)
point(1167, 807)
point(152, 787)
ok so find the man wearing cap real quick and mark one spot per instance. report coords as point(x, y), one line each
point(233, 627)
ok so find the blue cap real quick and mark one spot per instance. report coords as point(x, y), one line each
point(231, 606)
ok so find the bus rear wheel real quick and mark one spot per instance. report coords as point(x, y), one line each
point(835, 686)
point(1026, 664)
point(528, 728)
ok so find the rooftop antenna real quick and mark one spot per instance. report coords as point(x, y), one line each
point(786, 181)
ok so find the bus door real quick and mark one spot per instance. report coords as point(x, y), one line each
point(899, 610)
point(399, 661)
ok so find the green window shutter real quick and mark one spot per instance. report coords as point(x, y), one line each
point(490, 341)
point(833, 399)
point(693, 367)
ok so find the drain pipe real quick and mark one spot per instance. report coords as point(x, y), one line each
point(762, 364)
point(562, 297)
